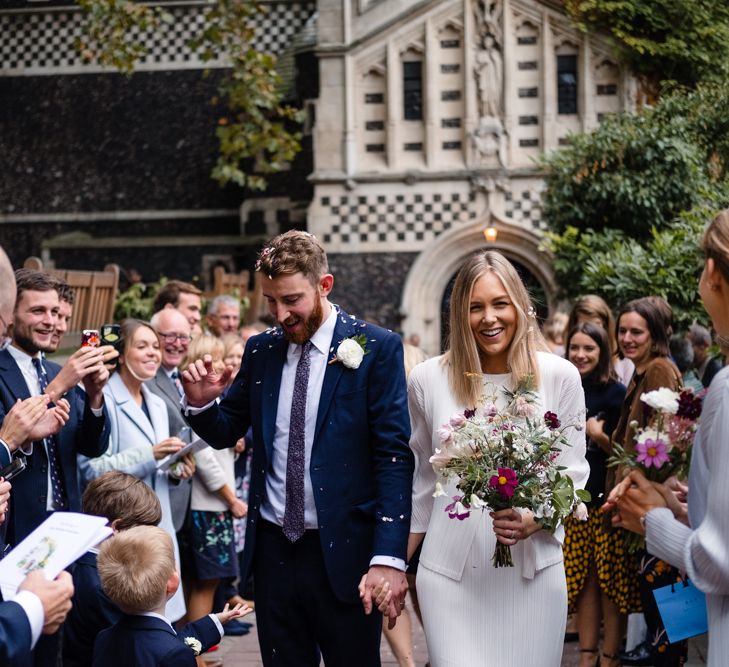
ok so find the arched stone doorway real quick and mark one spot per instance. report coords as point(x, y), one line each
point(435, 267)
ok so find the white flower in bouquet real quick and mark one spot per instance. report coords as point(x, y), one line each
point(580, 512)
point(663, 400)
point(194, 644)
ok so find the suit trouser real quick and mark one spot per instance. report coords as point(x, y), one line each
point(297, 612)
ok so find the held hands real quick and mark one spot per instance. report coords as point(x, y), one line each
point(55, 596)
point(632, 499)
point(371, 588)
point(511, 526)
point(239, 509)
point(203, 383)
point(229, 614)
point(184, 468)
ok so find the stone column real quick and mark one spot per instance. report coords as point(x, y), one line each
point(509, 91)
point(470, 91)
point(586, 87)
point(430, 88)
point(393, 98)
point(549, 86)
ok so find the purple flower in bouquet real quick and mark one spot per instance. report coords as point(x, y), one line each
point(457, 510)
point(689, 405)
point(551, 420)
point(504, 482)
point(469, 413)
point(651, 453)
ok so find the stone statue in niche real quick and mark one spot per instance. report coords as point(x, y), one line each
point(489, 140)
point(489, 62)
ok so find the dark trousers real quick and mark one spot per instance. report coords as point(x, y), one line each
point(297, 612)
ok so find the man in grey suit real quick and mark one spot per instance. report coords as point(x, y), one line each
point(173, 330)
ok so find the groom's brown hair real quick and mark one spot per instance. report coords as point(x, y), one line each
point(293, 252)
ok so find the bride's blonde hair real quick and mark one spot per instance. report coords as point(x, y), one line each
point(462, 357)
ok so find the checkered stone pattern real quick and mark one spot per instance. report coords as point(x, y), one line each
point(394, 220)
point(524, 207)
point(43, 42)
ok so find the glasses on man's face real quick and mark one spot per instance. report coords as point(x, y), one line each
point(184, 339)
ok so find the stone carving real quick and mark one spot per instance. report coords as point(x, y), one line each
point(489, 62)
point(489, 140)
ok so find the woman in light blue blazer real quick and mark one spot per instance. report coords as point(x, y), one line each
point(696, 541)
point(139, 436)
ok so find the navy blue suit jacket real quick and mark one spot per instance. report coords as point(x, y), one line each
point(83, 434)
point(91, 613)
point(144, 641)
point(15, 636)
point(361, 465)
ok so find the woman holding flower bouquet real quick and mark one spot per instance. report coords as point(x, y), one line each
point(643, 332)
point(495, 434)
point(598, 584)
point(649, 509)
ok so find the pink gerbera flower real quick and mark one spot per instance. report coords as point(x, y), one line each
point(504, 482)
point(652, 453)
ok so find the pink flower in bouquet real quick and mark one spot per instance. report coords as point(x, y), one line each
point(445, 433)
point(457, 510)
point(456, 421)
point(490, 410)
point(523, 407)
point(551, 420)
point(681, 432)
point(505, 482)
point(651, 453)
point(440, 459)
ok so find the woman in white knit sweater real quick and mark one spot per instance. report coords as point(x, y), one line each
point(698, 542)
point(209, 544)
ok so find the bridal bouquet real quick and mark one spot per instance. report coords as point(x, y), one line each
point(663, 447)
point(504, 459)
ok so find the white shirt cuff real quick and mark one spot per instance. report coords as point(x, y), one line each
point(97, 412)
point(390, 561)
point(33, 609)
point(218, 624)
point(191, 410)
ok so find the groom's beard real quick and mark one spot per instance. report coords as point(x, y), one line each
point(311, 325)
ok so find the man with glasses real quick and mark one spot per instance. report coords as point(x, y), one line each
point(173, 330)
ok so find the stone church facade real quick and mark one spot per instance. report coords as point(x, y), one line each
point(426, 119)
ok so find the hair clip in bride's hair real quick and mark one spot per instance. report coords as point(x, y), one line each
point(531, 312)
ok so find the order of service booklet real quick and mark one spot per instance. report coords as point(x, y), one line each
point(59, 541)
point(194, 447)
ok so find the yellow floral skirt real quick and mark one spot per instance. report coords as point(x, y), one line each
point(591, 543)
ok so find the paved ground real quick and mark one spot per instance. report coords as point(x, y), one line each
point(243, 651)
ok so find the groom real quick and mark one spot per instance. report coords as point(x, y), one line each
point(332, 470)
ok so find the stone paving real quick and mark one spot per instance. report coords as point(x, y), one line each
point(243, 651)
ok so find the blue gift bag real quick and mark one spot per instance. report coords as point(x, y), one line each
point(683, 610)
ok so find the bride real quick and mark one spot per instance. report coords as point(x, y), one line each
point(473, 613)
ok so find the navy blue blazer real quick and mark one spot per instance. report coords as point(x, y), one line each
point(83, 434)
point(145, 641)
point(91, 613)
point(361, 465)
point(15, 636)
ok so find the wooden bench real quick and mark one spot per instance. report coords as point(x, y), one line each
point(237, 284)
point(94, 295)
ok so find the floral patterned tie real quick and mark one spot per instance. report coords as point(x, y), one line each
point(54, 461)
point(293, 524)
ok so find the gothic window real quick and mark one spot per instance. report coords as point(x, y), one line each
point(412, 90)
point(567, 84)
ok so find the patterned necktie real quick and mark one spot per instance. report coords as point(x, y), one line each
point(175, 377)
point(293, 524)
point(54, 461)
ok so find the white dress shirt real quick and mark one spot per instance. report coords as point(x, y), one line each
point(274, 504)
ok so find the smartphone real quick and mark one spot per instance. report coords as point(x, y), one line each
point(111, 335)
point(14, 468)
point(90, 338)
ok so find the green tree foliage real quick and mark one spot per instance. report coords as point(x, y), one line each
point(256, 134)
point(626, 203)
point(685, 41)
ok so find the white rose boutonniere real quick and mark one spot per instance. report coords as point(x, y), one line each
point(351, 351)
point(194, 644)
